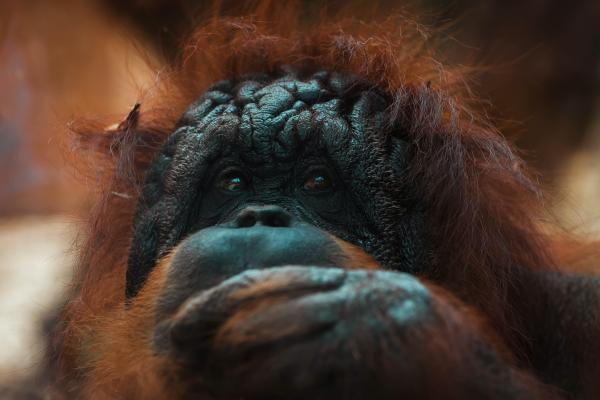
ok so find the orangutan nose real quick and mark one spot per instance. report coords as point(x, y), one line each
point(270, 215)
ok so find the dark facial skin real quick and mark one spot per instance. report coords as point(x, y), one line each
point(253, 195)
point(313, 146)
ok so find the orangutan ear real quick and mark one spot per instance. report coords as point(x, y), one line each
point(119, 152)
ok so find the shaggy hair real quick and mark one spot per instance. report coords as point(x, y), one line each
point(486, 210)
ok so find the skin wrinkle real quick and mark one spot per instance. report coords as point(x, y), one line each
point(362, 293)
point(275, 120)
point(429, 187)
point(366, 308)
point(277, 141)
point(211, 249)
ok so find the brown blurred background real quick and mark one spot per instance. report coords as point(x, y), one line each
point(66, 58)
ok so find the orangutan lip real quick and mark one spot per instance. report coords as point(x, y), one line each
point(210, 256)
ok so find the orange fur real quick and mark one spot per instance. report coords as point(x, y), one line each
point(484, 204)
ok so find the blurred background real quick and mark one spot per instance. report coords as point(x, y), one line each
point(66, 58)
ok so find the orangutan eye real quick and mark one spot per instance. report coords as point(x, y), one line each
point(232, 181)
point(318, 181)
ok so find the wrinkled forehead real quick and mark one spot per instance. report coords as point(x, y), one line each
point(265, 118)
point(262, 119)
